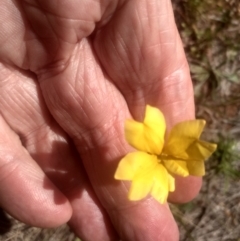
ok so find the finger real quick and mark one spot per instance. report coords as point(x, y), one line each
point(47, 31)
point(147, 62)
point(26, 192)
point(26, 113)
point(92, 112)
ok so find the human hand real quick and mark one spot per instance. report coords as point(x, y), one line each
point(94, 64)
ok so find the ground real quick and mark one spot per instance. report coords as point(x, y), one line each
point(210, 31)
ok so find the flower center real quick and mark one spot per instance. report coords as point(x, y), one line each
point(162, 157)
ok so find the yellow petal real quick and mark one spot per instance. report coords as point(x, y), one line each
point(171, 183)
point(132, 163)
point(177, 167)
point(198, 152)
point(182, 136)
point(141, 184)
point(149, 135)
point(201, 150)
point(196, 168)
point(143, 179)
point(161, 184)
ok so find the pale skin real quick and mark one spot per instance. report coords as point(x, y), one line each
point(71, 72)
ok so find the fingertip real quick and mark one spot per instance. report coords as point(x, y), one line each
point(89, 220)
point(40, 208)
point(56, 212)
point(146, 220)
point(30, 197)
point(187, 188)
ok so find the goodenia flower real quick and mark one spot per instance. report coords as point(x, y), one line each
point(151, 168)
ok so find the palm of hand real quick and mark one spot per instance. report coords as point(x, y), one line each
point(96, 64)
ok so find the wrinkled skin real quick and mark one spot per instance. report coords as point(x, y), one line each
point(71, 72)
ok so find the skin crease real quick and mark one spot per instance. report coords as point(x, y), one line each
point(71, 72)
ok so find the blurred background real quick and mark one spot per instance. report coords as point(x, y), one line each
point(210, 32)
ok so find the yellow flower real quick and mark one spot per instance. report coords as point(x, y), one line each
point(158, 157)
